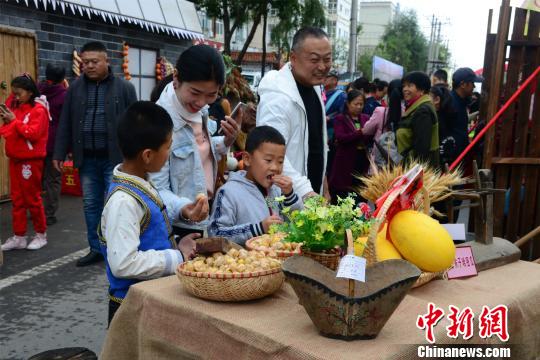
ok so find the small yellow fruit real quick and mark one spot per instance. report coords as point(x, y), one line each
point(385, 249)
point(422, 241)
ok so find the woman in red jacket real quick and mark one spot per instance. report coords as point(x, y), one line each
point(24, 123)
point(351, 152)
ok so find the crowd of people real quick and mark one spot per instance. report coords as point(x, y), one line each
point(150, 170)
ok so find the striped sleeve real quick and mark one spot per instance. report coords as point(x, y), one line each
point(290, 199)
point(223, 222)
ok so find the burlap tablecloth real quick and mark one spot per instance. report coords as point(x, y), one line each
point(159, 320)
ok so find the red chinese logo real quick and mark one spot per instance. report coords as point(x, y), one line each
point(429, 320)
point(494, 322)
point(461, 322)
point(490, 322)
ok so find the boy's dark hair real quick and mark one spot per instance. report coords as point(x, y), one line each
point(419, 79)
point(441, 74)
point(263, 134)
point(304, 33)
point(26, 82)
point(144, 125)
point(201, 63)
point(55, 73)
point(94, 46)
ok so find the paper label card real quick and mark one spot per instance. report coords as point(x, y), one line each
point(352, 267)
point(456, 231)
point(464, 264)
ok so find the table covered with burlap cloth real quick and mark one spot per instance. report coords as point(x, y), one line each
point(159, 320)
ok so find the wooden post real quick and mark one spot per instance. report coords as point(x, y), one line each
point(484, 223)
point(496, 77)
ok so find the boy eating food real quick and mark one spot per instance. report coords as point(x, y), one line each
point(249, 203)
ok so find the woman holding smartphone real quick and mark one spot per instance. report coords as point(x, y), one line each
point(24, 123)
point(187, 180)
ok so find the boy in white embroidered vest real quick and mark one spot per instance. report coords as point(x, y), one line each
point(246, 205)
point(135, 233)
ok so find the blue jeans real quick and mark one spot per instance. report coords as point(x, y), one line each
point(96, 175)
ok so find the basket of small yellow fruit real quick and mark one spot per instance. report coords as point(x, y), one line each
point(273, 245)
point(238, 275)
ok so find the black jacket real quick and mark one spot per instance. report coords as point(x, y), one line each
point(120, 95)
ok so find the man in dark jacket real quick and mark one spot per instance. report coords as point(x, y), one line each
point(54, 89)
point(418, 130)
point(88, 124)
point(463, 86)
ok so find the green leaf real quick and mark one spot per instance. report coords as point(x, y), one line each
point(322, 227)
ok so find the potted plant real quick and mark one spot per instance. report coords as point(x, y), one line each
point(321, 227)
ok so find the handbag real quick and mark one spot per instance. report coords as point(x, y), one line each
point(385, 151)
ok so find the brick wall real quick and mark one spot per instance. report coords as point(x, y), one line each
point(59, 34)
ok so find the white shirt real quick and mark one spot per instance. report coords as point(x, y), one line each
point(120, 226)
point(282, 107)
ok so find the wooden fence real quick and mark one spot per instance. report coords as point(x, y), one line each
point(512, 147)
point(18, 50)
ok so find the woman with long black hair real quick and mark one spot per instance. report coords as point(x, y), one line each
point(442, 100)
point(187, 180)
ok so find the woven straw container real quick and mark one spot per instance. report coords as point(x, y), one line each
point(348, 309)
point(231, 287)
point(331, 261)
point(281, 254)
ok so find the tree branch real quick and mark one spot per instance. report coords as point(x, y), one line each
point(227, 34)
point(256, 22)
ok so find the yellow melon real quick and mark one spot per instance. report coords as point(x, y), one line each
point(422, 241)
point(385, 249)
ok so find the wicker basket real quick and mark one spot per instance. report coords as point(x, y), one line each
point(331, 261)
point(342, 308)
point(231, 287)
point(279, 253)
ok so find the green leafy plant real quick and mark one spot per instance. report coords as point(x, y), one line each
point(321, 227)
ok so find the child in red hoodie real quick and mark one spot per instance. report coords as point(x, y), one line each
point(24, 123)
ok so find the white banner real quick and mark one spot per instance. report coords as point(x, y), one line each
point(383, 69)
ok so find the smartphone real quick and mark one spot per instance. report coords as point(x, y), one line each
point(235, 110)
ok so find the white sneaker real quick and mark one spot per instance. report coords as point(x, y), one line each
point(14, 242)
point(38, 241)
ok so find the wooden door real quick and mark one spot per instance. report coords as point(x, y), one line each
point(18, 49)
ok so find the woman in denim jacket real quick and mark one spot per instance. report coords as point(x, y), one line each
point(186, 181)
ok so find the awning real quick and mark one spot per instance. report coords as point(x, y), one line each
point(173, 17)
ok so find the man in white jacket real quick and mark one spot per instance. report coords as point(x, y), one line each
point(291, 102)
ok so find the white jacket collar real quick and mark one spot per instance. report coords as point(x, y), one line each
point(283, 81)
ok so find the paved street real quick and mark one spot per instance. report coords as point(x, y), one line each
point(46, 302)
